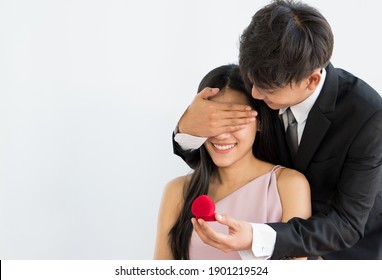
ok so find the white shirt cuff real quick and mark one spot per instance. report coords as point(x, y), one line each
point(263, 243)
point(189, 142)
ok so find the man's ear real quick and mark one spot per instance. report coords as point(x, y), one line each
point(314, 79)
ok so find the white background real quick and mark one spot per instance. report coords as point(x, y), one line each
point(90, 92)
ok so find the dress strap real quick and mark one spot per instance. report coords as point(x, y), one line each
point(277, 167)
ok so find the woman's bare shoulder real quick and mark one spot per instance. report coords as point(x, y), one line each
point(174, 189)
point(290, 176)
point(176, 185)
point(294, 193)
point(171, 205)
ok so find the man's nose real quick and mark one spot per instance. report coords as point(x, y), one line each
point(257, 94)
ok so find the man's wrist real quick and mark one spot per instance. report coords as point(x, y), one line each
point(263, 243)
point(187, 141)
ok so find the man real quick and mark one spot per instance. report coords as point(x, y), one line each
point(329, 128)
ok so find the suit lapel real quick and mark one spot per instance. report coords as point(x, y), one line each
point(317, 123)
point(315, 129)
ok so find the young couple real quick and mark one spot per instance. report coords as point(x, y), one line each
point(288, 147)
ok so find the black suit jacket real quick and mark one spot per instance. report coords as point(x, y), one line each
point(340, 153)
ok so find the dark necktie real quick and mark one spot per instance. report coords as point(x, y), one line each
point(291, 133)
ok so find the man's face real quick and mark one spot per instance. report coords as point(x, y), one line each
point(290, 94)
point(283, 97)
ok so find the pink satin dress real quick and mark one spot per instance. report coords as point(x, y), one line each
point(256, 202)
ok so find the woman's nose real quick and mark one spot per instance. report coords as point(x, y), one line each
point(223, 136)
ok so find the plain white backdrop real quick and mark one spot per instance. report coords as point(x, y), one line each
point(90, 92)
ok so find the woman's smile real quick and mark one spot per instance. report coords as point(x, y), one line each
point(223, 148)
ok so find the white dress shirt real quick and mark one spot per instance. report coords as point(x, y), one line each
point(301, 110)
point(264, 236)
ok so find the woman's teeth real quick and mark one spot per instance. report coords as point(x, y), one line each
point(224, 147)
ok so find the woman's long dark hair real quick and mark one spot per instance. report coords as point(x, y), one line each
point(263, 149)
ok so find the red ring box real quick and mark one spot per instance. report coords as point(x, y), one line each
point(203, 207)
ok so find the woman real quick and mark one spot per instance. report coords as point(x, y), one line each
point(237, 171)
